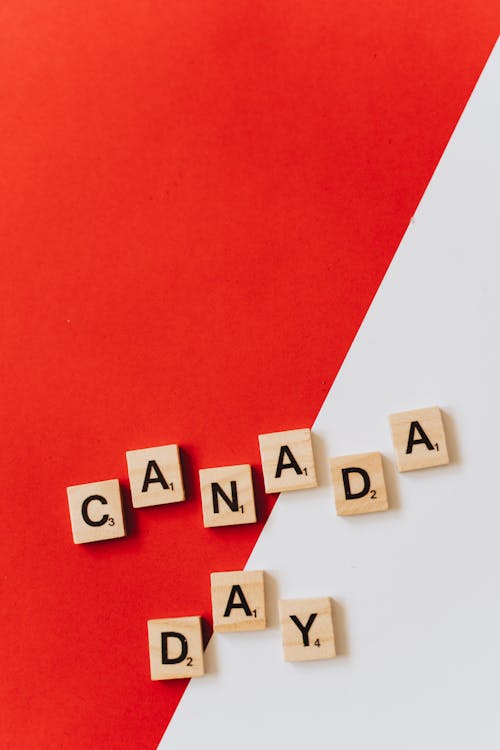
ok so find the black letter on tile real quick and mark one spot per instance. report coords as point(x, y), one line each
point(148, 479)
point(242, 604)
point(85, 510)
point(304, 629)
point(347, 487)
point(232, 501)
point(417, 427)
point(285, 451)
point(165, 659)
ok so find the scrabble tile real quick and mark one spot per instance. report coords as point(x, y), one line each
point(96, 511)
point(155, 476)
point(238, 601)
point(227, 496)
point(419, 439)
point(287, 460)
point(175, 648)
point(358, 484)
point(307, 629)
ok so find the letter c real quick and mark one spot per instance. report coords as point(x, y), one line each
point(85, 511)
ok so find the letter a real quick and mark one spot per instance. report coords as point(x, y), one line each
point(242, 604)
point(285, 451)
point(417, 427)
point(148, 479)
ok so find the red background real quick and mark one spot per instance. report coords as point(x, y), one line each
point(198, 202)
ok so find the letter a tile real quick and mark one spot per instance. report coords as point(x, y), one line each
point(307, 629)
point(238, 601)
point(287, 460)
point(155, 476)
point(96, 511)
point(175, 648)
point(227, 496)
point(358, 484)
point(419, 439)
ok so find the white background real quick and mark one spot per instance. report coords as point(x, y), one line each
point(416, 589)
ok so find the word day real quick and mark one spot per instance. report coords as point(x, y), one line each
point(227, 498)
point(238, 604)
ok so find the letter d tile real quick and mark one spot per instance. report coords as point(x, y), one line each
point(175, 648)
point(358, 483)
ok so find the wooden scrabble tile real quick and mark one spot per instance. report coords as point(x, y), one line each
point(307, 629)
point(358, 484)
point(419, 439)
point(175, 648)
point(96, 511)
point(227, 496)
point(287, 460)
point(155, 476)
point(238, 601)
